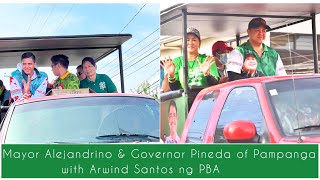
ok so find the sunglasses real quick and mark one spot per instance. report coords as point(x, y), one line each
point(79, 73)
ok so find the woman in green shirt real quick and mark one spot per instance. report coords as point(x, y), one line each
point(202, 70)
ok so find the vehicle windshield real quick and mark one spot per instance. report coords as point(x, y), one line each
point(85, 120)
point(297, 111)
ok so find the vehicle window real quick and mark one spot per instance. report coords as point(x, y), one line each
point(201, 118)
point(242, 104)
point(85, 120)
point(295, 105)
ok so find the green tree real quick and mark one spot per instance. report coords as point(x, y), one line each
point(145, 88)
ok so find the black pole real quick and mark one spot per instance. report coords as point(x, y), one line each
point(184, 48)
point(247, 15)
point(315, 47)
point(121, 69)
point(238, 39)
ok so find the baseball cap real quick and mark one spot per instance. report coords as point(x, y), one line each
point(221, 45)
point(193, 31)
point(258, 22)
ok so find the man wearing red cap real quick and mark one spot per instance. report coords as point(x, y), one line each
point(221, 52)
point(268, 61)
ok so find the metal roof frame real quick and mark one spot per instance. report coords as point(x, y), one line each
point(172, 14)
point(76, 47)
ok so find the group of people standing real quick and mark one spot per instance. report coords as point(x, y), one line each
point(251, 59)
point(28, 82)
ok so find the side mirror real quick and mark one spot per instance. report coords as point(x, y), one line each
point(241, 131)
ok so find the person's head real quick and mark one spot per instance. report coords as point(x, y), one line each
point(28, 61)
point(193, 40)
point(250, 63)
point(173, 117)
point(257, 29)
point(80, 74)
point(89, 66)
point(1, 87)
point(60, 64)
point(221, 50)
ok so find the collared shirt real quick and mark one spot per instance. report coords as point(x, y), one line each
point(102, 84)
point(67, 81)
point(171, 140)
point(269, 64)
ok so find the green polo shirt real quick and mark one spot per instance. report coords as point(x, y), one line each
point(102, 84)
point(195, 75)
point(67, 81)
point(269, 63)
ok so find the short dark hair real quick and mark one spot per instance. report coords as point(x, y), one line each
point(80, 66)
point(60, 59)
point(1, 83)
point(173, 104)
point(28, 55)
point(89, 59)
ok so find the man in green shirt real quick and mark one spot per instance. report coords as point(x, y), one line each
point(65, 79)
point(99, 83)
point(268, 61)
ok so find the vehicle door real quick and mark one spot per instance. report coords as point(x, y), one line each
point(242, 103)
point(198, 118)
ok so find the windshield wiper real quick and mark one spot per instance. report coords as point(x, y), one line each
point(126, 135)
point(307, 127)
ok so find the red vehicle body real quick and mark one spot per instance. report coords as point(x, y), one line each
point(243, 130)
point(82, 118)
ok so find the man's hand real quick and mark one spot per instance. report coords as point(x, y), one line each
point(26, 95)
point(26, 85)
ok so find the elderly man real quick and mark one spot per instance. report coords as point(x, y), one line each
point(99, 83)
point(268, 60)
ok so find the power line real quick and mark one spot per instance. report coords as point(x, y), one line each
point(153, 75)
point(132, 18)
point(140, 50)
point(131, 56)
point(149, 86)
point(131, 48)
point(34, 16)
point(138, 61)
point(47, 19)
point(60, 25)
point(141, 67)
